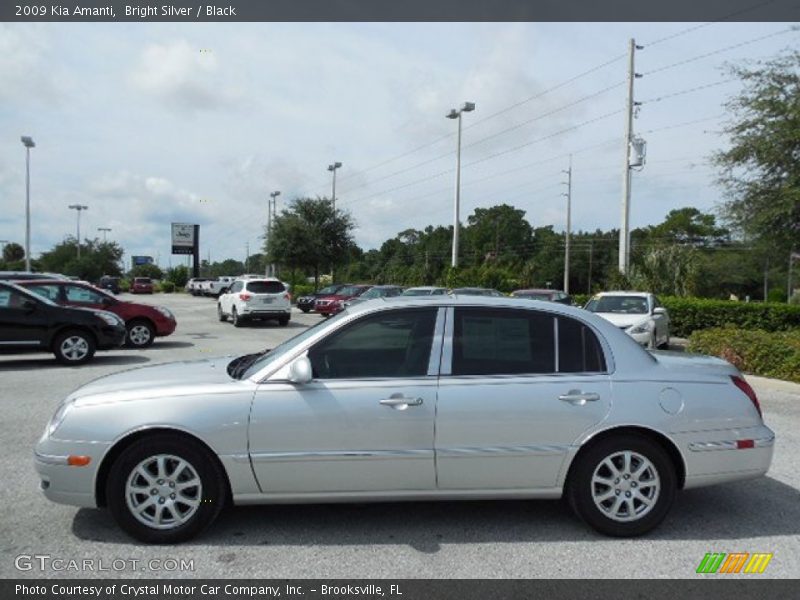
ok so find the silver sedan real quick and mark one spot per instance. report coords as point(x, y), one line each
point(410, 399)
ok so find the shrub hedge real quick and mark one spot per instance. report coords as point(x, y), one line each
point(167, 287)
point(767, 353)
point(691, 314)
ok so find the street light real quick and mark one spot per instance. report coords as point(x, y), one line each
point(272, 207)
point(333, 168)
point(27, 141)
point(456, 114)
point(79, 208)
point(104, 230)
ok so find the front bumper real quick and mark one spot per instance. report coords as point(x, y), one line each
point(329, 309)
point(65, 484)
point(305, 303)
point(109, 337)
point(641, 338)
point(165, 326)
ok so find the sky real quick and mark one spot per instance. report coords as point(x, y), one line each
point(153, 123)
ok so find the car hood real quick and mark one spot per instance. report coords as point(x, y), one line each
point(187, 377)
point(683, 361)
point(622, 320)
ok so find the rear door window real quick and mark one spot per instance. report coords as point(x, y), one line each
point(265, 287)
point(579, 350)
point(503, 342)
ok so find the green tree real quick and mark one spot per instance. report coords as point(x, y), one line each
point(500, 234)
point(13, 252)
point(178, 275)
point(761, 171)
point(148, 270)
point(310, 235)
point(689, 225)
point(97, 259)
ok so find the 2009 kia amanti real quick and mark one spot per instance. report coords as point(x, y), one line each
point(415, 398)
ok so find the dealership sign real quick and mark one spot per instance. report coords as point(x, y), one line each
point(141, 260)
point(184, 238)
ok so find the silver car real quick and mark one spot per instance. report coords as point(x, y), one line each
point(410, 399)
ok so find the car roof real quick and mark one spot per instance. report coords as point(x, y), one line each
point(427, 287)
point(624, 293)
point(537, 291)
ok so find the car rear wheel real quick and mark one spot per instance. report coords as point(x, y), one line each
point(235, 318)
point(74, 347)
point(140, 334)
point(305, 310)
point(163, 489)
point(622, 486)
point(221, 315)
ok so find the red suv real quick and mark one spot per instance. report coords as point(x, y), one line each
point(330, 305)
point(142, 285)
point(143, 322)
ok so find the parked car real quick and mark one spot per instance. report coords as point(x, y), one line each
point(399, 400)
point(19, 275)
point(376, 291)
point(327, 306)
point(306, 302)
point(142, 285)
point(29, 322)
point(110, 284)
point(143, 322)
point(546, 295)
point(639, 314)
point(217, 286)
point(475, 291)
point(425, 291)
point(249, 299)
point(193, 286)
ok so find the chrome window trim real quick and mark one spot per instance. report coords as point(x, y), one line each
point(446, 367)
point(262, 457)
point(435, 358)
point(555, 344)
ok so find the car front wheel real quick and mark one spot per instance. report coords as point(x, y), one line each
point(140, 334)
point(74, 347)
point(221, 315)
point(163, 489)
point(623, 486)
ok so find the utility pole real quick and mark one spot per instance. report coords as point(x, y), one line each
point(80, 208)
point(28, 142)
point(456, 114)
point(272, 208)
point(104, 230)
point(591, 251)
point(624, 231)
point(568, 183)
point(247, 256)
point(333, 169)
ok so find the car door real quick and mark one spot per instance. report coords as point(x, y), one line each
point(365, 422)
point(24, 321)
point(518, 387)
point(226, 301)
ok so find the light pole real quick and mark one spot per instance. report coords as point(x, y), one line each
point(27, 141)
point(104, 230)
point(456, 114)
point(272, 208)
point(79, 208)
point(568, 195)
point(333, 168)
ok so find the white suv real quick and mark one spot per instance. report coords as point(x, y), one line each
point(639, 314)
point(264, 298)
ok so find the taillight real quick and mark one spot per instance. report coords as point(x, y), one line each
point(740, 383)
point(245, 297)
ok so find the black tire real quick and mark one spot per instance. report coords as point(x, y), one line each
point(235, 318)
point(221, 315)
point(210, 495)
point(305, 310)
point(74, 347)
point(665, 345)
point(283, 321)
point(581, 489)
point(139, 334)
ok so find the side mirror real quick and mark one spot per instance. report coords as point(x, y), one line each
point(300, 370)
point(660, 311)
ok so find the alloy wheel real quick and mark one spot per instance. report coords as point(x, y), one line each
point(625, 486)
point(74, 348)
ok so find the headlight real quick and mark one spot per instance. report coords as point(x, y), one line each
point(58, 417)
point(640, 328)
point(109, 318)
point(164, 311)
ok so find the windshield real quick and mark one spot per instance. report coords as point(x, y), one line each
point(331, 289)
point(288, 345)
point(626, 305)
point(533, 296)
point(374, 293)
point(351, 290)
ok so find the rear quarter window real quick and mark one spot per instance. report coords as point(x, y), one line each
point(265, 287)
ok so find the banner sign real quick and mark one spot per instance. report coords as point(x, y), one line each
point(183, 238)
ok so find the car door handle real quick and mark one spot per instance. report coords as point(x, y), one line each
point(400, 402)
point(578, 397)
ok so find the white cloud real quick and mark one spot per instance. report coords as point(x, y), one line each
point(184, 76)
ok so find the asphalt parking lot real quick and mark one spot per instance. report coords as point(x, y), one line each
point(508, 539)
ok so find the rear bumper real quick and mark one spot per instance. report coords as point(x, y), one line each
point(305, 304)
point(715, 457)
point(266, 311)
point(328, 309)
